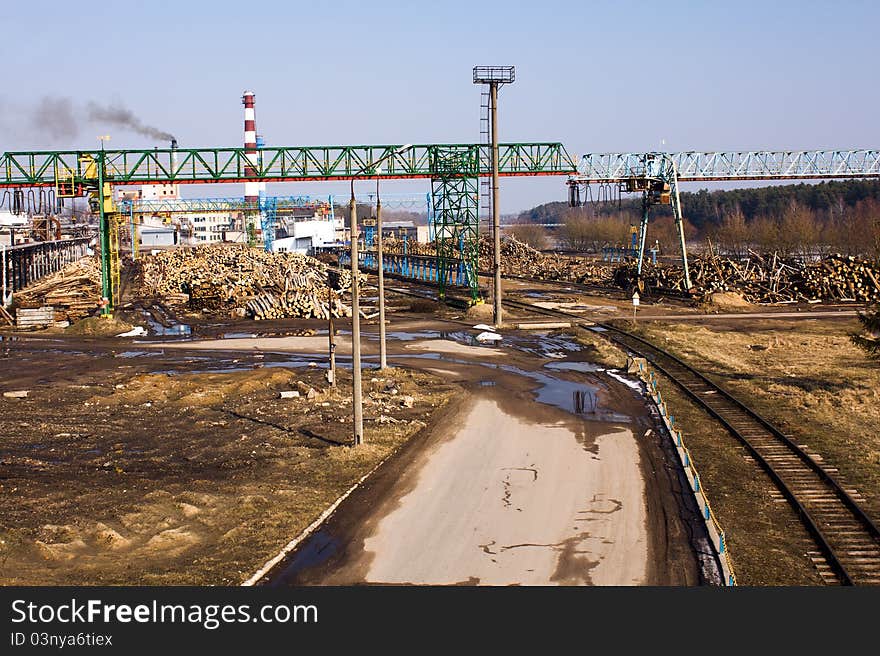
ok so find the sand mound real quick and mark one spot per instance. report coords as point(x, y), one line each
point(728, 299)
point(99, 327)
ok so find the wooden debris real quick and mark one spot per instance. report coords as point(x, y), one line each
point(767, 278)
point(229, 279)
point(73, 292)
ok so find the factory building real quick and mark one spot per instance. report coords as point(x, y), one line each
point(405, 230)
point(158, 236)
point(208, 228)
point(303, 236)
point(149, 192)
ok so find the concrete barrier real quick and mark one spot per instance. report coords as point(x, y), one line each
point(639, 367)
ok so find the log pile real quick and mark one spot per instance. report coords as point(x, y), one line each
point(237, 280)
point(841, 278)
point(517, 258)
point(74, 292)
point(759, 278)
point(576, 269)
point(766, 278)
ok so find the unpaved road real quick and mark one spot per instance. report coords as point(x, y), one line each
point(534, 508)
point(517, 485)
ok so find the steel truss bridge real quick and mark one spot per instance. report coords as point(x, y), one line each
point(657, 176)
point(693, 166)
point(287, 164)
point(452, 168)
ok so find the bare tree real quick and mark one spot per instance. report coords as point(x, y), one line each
point(532, 234)
point(799, 230)
point(733, 235)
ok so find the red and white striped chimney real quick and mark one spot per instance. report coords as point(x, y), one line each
point(251, 189)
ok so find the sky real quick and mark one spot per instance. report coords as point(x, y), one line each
point(597, 76)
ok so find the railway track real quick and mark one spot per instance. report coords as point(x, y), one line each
point(846, 538)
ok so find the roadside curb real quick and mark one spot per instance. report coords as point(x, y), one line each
point(306, 532)
point(717, 535)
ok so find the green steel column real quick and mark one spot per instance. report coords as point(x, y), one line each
point(104, 233)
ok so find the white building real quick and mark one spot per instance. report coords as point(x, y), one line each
point(149, 192)
point(209, 227)
point(303, 235)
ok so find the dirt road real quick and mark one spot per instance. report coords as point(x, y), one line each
point(520, 485)
point(535, 508)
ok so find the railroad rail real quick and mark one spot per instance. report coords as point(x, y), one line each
point(848, 540)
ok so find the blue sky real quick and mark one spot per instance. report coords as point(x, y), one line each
point(598, 76)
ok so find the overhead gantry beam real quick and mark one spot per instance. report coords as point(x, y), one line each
point(693, 166)
point(288, 164)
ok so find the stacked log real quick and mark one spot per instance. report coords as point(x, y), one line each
point(73, 292)
point(758, 278)
point(841, 278)
point(575, 269)
point(767, 278)
point(238, 280)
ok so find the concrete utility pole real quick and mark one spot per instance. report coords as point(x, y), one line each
point(383, 352)
point(357, 394)
point(496, 213)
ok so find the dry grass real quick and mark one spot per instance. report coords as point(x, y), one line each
point(767, 542)
point(188, 479)
point(599, 349)
point(806, 377)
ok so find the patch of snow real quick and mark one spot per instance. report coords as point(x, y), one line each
point(633, 384)
point(137, 331)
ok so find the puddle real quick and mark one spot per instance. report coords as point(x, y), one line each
point(583, 367)
point(556, 346)
point(317, 549)
point(460, 336)
point(158, 329)
point(574, 397)
point(139, 354)
point(487, 383)
point(405, 336)
point(230, 366)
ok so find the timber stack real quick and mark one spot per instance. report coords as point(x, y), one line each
point(841, 278)
point(236, 280)
point(73, 292)
point(765, 279)
point(580, 270)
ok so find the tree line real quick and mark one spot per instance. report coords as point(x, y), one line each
point(800, 219)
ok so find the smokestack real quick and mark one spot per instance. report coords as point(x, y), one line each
point(174, 154)
point(251, 189)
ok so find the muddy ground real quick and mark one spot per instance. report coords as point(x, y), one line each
point(161, 460)
point(134, 461)
point(129, 466)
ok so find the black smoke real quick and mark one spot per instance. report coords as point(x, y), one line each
point(120, 116)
